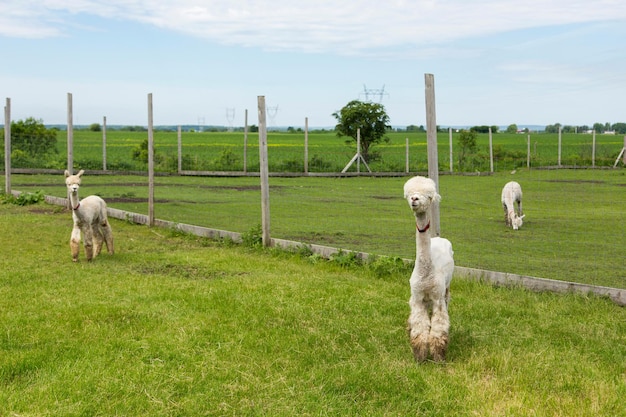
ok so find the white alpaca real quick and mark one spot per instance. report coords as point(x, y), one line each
point(512, 194)
point(90, 217)
point(430, 280)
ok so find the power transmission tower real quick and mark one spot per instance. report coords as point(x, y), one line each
point(371, 94)
point(201, 122)
point(271, 113)
point(230, 116)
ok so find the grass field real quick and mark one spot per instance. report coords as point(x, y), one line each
point(177, 325)
point(573, 228)
point(224, 151)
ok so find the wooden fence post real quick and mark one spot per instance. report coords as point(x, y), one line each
point(7, 147)
point(406, 157)
point(70, 136)
point(306, 145)
point(559, 159)
point(180, 150)
point(264, 173)
point(528, 151)
point(490, 150)
point(245, 144)
point(150, 164)
point(431, 133)
point(451, 157)
point(593, 149)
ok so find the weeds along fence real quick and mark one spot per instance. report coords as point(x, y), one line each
point(318, 152)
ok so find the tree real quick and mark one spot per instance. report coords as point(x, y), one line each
point(467, 141)
point(33, 138)
point(370, 118)
point(95, 127)
point(512, 128)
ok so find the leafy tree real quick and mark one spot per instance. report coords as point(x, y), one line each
point(512, 128)
point(619, 128)
point(598, 127)
point(33, 138)
point(484, 129)
point(553, 128)
point(467, 142)
point(95, 127)
point(414, 128)
point(370, 118)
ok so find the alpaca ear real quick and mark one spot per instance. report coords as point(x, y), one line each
point(436, 198)
point(67, 173)
point(80, 173)
point(522, 216)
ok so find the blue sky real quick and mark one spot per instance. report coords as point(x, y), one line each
point(495, 62)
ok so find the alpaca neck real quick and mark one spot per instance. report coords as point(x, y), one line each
point(422, 239)
point(74, 202)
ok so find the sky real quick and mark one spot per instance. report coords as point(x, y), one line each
point(206, 62)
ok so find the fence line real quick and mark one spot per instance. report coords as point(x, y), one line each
point(618, 296)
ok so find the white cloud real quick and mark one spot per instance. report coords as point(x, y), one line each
point(346, 27)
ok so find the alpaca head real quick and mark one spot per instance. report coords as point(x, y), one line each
point(517, 221)
point(73, 181)
point(420, 193)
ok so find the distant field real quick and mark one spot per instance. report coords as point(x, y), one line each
point(224, 151)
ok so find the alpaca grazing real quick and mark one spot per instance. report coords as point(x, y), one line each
point(90, 218)
point(428, 323)
point(511, 195)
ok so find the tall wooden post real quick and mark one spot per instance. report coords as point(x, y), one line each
point(490, 151)
point(406, 156)
point(593, 149)
point(433, 161)
point(245, 144)
point(559, 158)
point(306, 145)
point(451, 156)
point(150, 164)
point(264, 171)
point(70, 136)
point(180, 150)
point(528, 151)
point(7, 147)
point(104, 143)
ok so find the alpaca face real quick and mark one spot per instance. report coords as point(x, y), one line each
point(517, 222)
point(73, 181)
point(420, 193)
point(419, 203)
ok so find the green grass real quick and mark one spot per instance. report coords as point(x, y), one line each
point(572, 230)
point(223, 151)
point(177, 325)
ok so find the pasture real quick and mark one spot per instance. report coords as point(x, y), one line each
point(177, 325)
point(573, 230)
point(224, 151)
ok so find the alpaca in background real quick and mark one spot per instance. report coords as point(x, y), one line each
point(90, 218)
point(430, 280)
point(511, 195)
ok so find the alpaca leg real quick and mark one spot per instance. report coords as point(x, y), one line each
point(440, 326)
point(418, 328)
point(88, 243)
point(519, 208)
point(75, 243)
point(507, 220)
point(108, 236)
point(97, 239)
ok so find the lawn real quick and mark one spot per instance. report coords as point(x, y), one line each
point(177, 325)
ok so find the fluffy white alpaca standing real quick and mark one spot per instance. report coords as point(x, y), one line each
point(512, 194)
point(430, 280)
point(90, 217)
